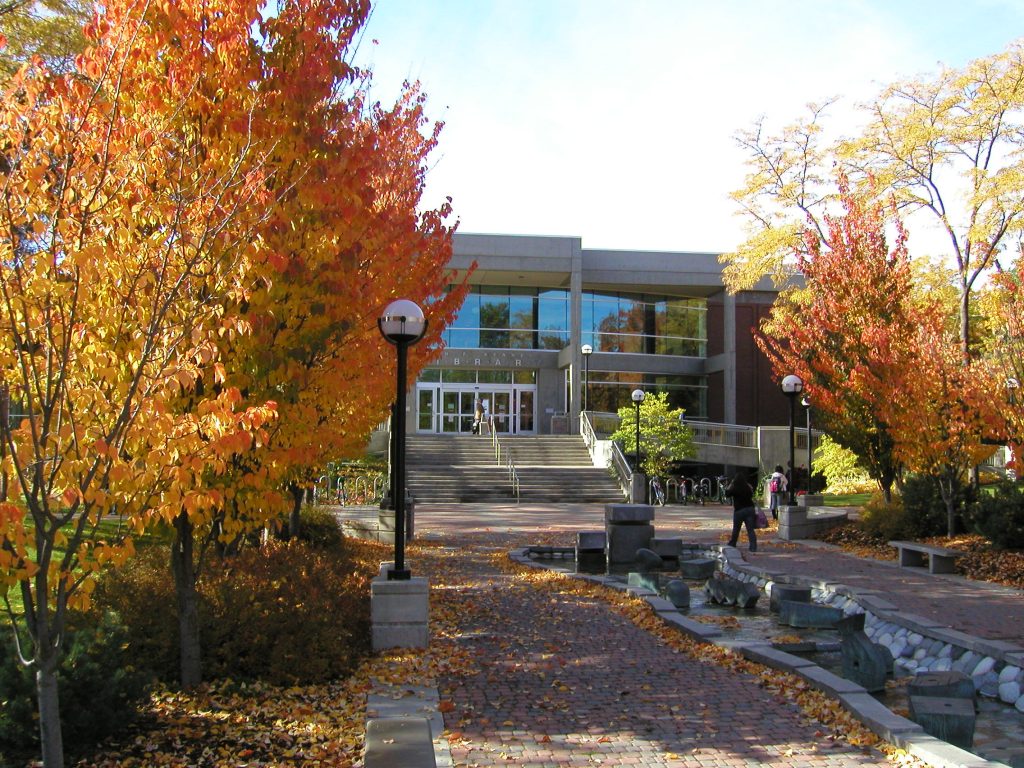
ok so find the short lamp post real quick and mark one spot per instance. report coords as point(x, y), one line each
point(401, 323)
point(792, 385)
point(806, 403)
point(587, 351)
point(638, 397)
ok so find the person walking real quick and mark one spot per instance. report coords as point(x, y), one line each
point(743, 512)
point(777, 487)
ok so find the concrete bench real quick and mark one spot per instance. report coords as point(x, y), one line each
point(399, 742)
point(911, 554)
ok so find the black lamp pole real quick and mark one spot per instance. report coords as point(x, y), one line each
point(402, 324)
point(638, 397)
point(792, 386)
point(806, 402)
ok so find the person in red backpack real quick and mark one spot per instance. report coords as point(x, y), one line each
point(777, 487)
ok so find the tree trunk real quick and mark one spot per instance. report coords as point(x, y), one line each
point(294, 520)
point(184, 568)
point(948, 492)
point(51, 738)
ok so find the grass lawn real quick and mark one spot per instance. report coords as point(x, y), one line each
point(109, 528)
point(847, 500)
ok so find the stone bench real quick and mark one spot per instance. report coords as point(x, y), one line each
point(940, 559)
point(399, 742)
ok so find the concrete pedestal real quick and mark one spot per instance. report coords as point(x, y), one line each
point(638, 488)
point(399, 613)
point(627, 528)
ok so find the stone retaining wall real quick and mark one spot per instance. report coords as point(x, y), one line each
point(916, 643)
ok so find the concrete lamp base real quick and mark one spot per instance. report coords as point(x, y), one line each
point(399, 612)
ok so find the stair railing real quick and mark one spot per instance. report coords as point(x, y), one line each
point(623, 471)
point(510, 466)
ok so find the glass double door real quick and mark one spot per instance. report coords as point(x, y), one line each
point(452, 409)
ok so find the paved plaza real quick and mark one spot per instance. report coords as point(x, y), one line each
point(562, 679)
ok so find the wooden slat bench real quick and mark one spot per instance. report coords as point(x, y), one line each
point(940, 559)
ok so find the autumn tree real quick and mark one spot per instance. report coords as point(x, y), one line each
point(948, 149)
point(846, 331)
point(124, 222)
point(941, 412)
point(341, 237)
point(664, 436)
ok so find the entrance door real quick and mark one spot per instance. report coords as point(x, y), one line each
point(524, 414)
point(501, 411)
point(426, 399)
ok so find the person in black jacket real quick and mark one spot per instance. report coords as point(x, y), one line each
point(743, 513)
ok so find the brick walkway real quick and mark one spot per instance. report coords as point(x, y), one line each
point(562, 680)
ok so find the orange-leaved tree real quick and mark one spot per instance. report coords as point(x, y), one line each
point(345, 237)
point(129, 211)
point(845, 331)
point(341, 236)
point(942, 411)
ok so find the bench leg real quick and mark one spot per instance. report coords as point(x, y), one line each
point(911, 558)
point(941, 564)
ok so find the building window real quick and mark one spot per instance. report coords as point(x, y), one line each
point(503, 317)
point(610, 390)
point(641, 324)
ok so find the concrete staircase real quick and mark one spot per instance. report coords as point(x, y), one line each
point(461, 469)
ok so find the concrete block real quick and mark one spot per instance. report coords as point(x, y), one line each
point(384, 636)
point(776, 659)
point(698, 568)
point(879, 718)
point(828, 682)
point(628, 514)
point(590, 541)
point(399, 742)
point(625, 540)
point(781, 592)
point(949, 719)
point(399, 613)
point(667, 547)
point(695, 629)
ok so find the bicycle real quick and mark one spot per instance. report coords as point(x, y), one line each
point(720, 496)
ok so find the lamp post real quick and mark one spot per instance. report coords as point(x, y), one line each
point(401, 323)
point(587, 351)
point(806, 403)
point(792, 385)
point(638, 397)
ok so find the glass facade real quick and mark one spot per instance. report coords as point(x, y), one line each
point(607, 391)
point(650, 325)
point(504, 317)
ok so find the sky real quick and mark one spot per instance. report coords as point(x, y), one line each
point(616, 121)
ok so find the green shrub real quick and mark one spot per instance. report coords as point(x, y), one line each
point(925, 510)
point(999, 516)
point(883, 520)
point(99, 686)
point(319, 528)
point(142, 593)
point(285, 613)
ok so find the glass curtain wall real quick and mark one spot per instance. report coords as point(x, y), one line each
point(608, 391)
point(508, 317)
point(644, 324)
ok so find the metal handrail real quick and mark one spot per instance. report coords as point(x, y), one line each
point(510, 467)
point(623, 471)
